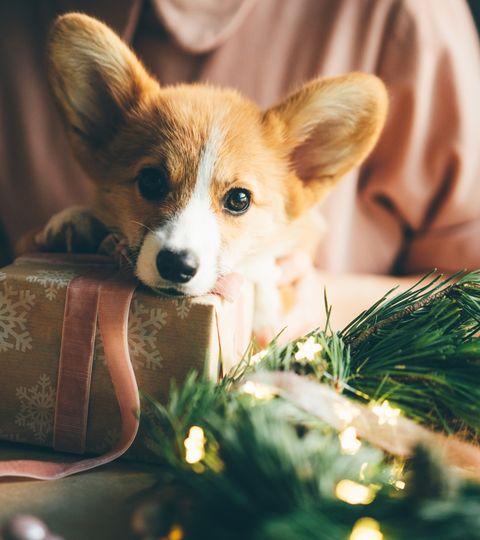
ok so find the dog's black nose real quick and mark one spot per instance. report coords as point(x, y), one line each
point(177, 266)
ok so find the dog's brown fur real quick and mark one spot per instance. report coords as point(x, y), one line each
point(120, 120)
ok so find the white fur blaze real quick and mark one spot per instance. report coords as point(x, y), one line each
point(195, 229)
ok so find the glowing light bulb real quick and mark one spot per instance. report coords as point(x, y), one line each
point(307, 349)
point(386, 414)
point(346, 411)
point(176, 533)
point(196, 433)
point(366, 534)
point(194, 445)
point(366, 529)
point(194, 455)
point(400, 484)
point(259, 390)
point(257, 357)
point(249, 387)
point(349, 441)
point(353, 493)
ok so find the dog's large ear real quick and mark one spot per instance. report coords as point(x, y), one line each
point(95, 78)
point(329, 126)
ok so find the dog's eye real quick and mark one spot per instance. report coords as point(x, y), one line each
point(238, 201)
point(152, 184)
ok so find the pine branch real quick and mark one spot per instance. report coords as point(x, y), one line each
point(270, 470)
point(409, 310)
point(417, 349)
point(278, 475)
point(399, 315)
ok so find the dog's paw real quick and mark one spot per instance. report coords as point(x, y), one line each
point(74, 230)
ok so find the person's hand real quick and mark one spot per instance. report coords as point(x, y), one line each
point(348, 294)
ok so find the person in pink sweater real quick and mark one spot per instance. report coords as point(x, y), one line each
point(411, 207)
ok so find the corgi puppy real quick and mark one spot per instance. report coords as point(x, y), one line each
point(199, 181)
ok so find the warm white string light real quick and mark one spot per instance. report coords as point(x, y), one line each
point(366, 529)
point(194, 445)
point(349, 441)
point(260, 391)
point(259, 356)
point(385, 413)
point(176, 533)
point(353, 493)
point(307, 349)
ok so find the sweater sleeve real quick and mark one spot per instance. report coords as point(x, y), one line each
point(426, 168)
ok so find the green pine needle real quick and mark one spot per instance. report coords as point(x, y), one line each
point(418, 349)
point(270, 470)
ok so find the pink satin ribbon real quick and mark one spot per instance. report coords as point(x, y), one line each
point(113, 307)
point(230, 287)
point(76, 359)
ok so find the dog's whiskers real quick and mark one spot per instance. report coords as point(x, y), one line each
point(224, 270)
point(142, 225)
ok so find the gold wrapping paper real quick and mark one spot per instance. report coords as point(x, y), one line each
point(167, 338)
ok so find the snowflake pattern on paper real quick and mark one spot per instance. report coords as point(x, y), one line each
point(143, 325)
point(13, 437)
point(52, 280)
point(13, 317)
point(109, 442)
point(37, 408)
point(182, 308)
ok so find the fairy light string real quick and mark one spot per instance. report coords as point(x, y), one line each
point(275, 445)
point(366, 529)
point(386, 414)
point(307, 349)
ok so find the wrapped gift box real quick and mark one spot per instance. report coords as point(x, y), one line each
point(167, 338)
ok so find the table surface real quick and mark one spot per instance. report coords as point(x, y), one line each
point(94, 505)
